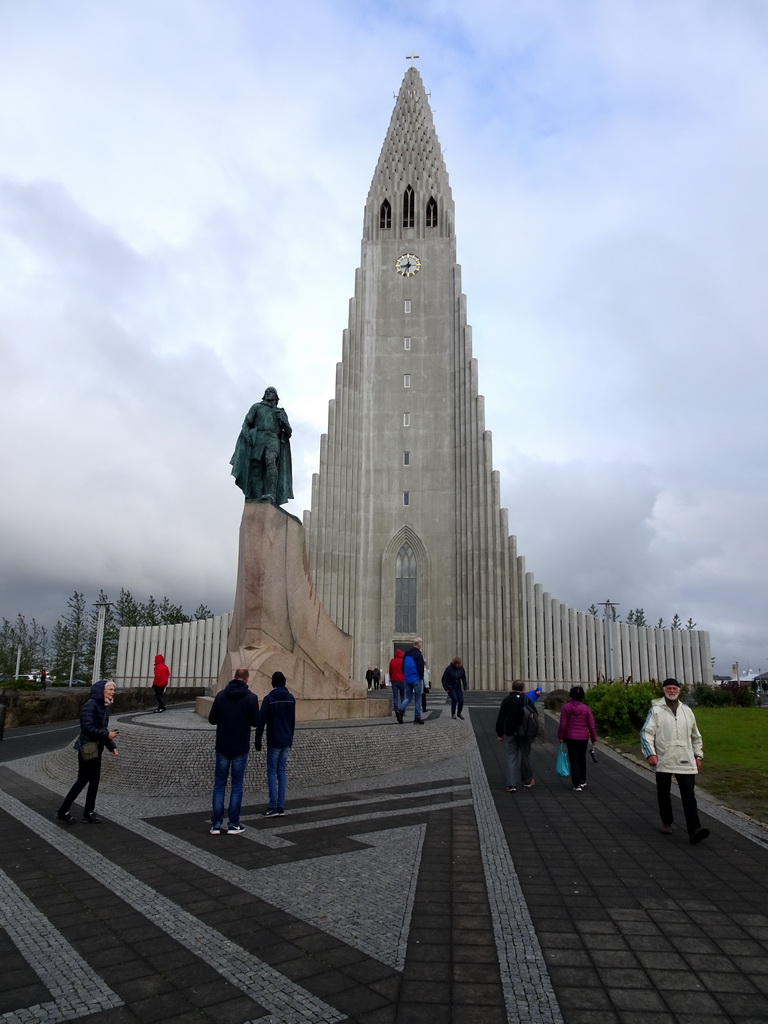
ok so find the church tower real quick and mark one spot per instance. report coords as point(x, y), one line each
point(406, 536)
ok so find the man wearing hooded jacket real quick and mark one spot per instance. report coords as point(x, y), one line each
point(160, 681)
point(234, 711)
point(278, 717)
point(672, 746)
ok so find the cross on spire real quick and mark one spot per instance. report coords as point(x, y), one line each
point(412, 56)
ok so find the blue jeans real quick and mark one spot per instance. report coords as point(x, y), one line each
point(413, 692)
point(225, 764)
point(277, 758)
point(398, 695)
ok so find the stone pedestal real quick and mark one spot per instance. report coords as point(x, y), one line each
point(279, 624)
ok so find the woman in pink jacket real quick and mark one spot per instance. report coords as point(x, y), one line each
point(577, 727)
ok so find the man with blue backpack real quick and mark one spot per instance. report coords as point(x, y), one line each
point(413, 675)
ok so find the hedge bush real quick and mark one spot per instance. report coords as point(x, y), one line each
point(620, 709)
point(21, 684)
point(724, 697)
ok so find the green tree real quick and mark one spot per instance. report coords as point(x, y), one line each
point(127, 609)
point(636, 617)
point(30, 637)
point(170, 614)
point(677, 622)
point(203, 612)
point(592, 610)
point(690, 624)
point(71, 637)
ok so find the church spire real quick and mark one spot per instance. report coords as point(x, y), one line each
point(410, 196)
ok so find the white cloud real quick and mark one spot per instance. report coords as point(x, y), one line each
point(180, 216)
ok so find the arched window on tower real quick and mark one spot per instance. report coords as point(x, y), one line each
point(405, 590)
point(408, 205)
point(431, 213)
point(385, 215)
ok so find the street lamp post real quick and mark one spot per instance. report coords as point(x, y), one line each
point(610, 607)
point(102, 608)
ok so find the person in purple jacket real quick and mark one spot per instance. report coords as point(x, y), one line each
point(577, 727)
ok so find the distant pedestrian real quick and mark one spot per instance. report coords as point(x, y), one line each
point(577, 727)
point(278, 717)
point(413, 673)
point(508, 723)
point(369, 676)
point(533, 694)
point(234, 711)
point(396, 679)
point(160, 681)
point(455, 683)
point(376, 677)
point(95, 735)
point(43, 677)
point(672, 746)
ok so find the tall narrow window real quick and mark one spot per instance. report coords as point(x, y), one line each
point(385, 215)
point(407, 306)
point(408, 204)
point(431, 219)
point(405, 588)
point(406, 419)
point(406, 458)
point(406, 497)
point(406, 380)
point(407, 344)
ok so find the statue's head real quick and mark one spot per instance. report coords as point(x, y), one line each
point(271, 396)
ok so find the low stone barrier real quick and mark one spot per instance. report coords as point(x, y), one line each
point(62, 704)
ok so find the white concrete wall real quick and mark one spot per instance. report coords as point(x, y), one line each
point(193, 651)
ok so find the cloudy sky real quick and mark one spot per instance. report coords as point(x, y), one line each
point(181, 194)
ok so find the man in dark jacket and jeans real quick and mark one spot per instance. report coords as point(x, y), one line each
point(235, 709)
point(278, 717)
point(508, 722)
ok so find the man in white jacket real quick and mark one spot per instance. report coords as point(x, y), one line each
point(671, 744)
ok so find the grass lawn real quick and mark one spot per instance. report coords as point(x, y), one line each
point(735, 767)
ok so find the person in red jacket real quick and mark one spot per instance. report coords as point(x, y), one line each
point(397, 679)
point(162, 675)
point(577, 726)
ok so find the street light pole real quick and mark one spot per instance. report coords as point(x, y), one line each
point(610, 607)
point(102, 607)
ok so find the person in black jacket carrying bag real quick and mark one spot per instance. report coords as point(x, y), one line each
point(508, 724)
point(94, 736)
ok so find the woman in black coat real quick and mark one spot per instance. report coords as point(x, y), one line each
point(94, 729)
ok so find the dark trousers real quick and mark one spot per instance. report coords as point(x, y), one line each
point(457, 699)
point(159, 690)
point(687, 786)
point(88, 774)
point(577, 756)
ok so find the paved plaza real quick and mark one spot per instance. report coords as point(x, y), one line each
point(424, 895)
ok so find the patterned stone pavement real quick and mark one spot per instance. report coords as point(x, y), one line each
point(425, 895)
